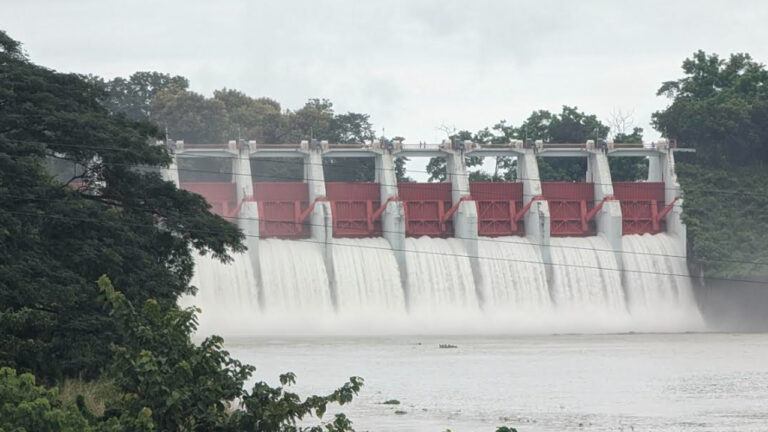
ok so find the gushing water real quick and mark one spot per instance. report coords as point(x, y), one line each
point(294, 278)
point(657, 283)
point(227, 294)
point(585, 276)
point(367, 277)
point(440, 278)
point(513, 276)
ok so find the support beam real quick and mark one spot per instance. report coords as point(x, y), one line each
point(393, 216)
point(248, 222)
point(171, 172)
point(242, 172)
point(464, 211)
point(672, 194)
point(608, 218)
point(537, 228)
point(321, 216)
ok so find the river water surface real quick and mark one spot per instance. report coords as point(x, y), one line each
point(631, 382)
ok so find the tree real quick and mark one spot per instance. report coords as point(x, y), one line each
point(25, 406)
point(570, 126)
point(250, 118)
point(629, 168)
point(184, 386)
point(56, 239)
point(133, 96)
point(721, 107)
point(191, 116)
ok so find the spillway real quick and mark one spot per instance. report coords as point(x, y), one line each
point(440, 281)
point(365, 292)
point(656, 280)
point(227, 294)
point(367, 277)
point(294, 278)
point(586, 278)
point(513, 276)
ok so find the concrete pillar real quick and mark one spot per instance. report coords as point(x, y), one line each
point(537, 228)
point(393, 218)
point(465, 218)
point(672, 190)
point(654, 168)
point(248, 222)
point(242, 172)
point(321, 218)
point(608, 219)
point(171, 172)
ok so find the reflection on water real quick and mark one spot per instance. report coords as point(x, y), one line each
point(651, 382)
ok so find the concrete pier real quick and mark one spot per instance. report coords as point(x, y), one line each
point(608, 219)
point(537, 221)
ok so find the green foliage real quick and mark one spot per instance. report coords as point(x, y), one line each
point(25, 406)
point(569, 126)
point(724, 238)
point(506, 429)
point(721, 107)
point(183, 386)
point(133, 96)
point(629, 168)
point(190, 116)
point(55, 239)
point(249, 118)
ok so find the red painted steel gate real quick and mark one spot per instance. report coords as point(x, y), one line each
point(569, 204)
point(425, 207)
point(280, 207)
point(222, 196)
point(497, 204)
point(353, 206)
point(641, 203)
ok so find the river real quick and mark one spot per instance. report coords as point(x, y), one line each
point(626, 382)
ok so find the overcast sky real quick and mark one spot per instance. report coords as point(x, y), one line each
point(412, 65)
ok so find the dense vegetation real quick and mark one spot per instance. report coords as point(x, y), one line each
point(720, 108)
point(114, 216)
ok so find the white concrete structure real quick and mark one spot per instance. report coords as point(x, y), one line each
point(608, 219)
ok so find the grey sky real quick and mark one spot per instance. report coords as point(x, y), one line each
point(412, 65)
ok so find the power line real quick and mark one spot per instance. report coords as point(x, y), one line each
point(480, 238)
point(324, 164)
point(340, 166)
point(67, 218)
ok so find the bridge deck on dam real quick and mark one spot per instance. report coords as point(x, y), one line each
point(359, 209)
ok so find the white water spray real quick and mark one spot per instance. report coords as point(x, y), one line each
point(367, 277)
point(440, 278)
point(294, 278)
point(513, 276)
point(227, 294)
point(657, 283)
point(585, 277)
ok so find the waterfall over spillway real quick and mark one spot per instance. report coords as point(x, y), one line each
point(294, 278)
point(227, 294)
point(367, 277)
point(440, 280)
point(513, 276)
point(586, 277)
point(657, 283)
point(365, 293)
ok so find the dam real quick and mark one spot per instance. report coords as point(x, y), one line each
point(453, 256)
